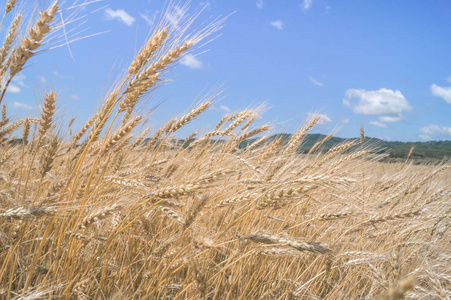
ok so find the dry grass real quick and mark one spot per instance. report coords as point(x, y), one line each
point(104, 215)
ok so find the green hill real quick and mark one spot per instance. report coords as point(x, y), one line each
point(423, 152)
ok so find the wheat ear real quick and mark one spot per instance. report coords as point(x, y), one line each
point(221, 122)
point(99, 215)
point(147, 78)
point(239, 119)
point(5, 119)
point(82, 131)
point(31, 43)
point(8, 8)
point(47, 114)
point(410, 153)
point(188, 139)
point(296, 139)
point(9, 39)
point(24, 51)
point(10, 128)
point(256, 131)
point(49, 156)
point(147, 51)
point(26, 130)
point(335, 151)
point(189, 116)
point(118, 135)
point(165, 129)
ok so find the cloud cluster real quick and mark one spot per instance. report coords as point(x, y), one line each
point(42, 79)
point(316, 82)
point(226, 109)
point(323, 119)
point(306, 4)
point(260, 4)
point(191, 61)
point(387, 104)
point(22, 105)
point(425, 137)
point(12, 89)
point(277, 24)
point(436, 130)
point(121, 15)
point(18, 81)
point(378, 124)
point(441, 92)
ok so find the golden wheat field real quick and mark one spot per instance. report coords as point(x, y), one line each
point(115, 212)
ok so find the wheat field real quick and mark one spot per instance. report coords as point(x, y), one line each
point(118, 211)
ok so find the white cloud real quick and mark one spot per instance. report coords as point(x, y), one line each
point(19, 79)
point(42, 79)
point(385, 103)
point(18, 82)
point(323, 119)
point(378, 124)
point(316, 82)
point(12, 89)
point(306, 4)
point(278, 24)
point(74, 97)
point(425, 137)
point(390, 119)
point(449, 78)
point(121, 15)
point(22, 105)
point(436, 130)
point(345, 121)
point(191, 61)
point(441, 92)
point(260, 4)
point(225, 108)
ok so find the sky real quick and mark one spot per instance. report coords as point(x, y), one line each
point(382, 64)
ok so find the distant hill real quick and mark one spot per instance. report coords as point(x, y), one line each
point(397, 151)
point(435, 150)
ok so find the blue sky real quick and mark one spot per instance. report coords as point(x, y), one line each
point(383, 64)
